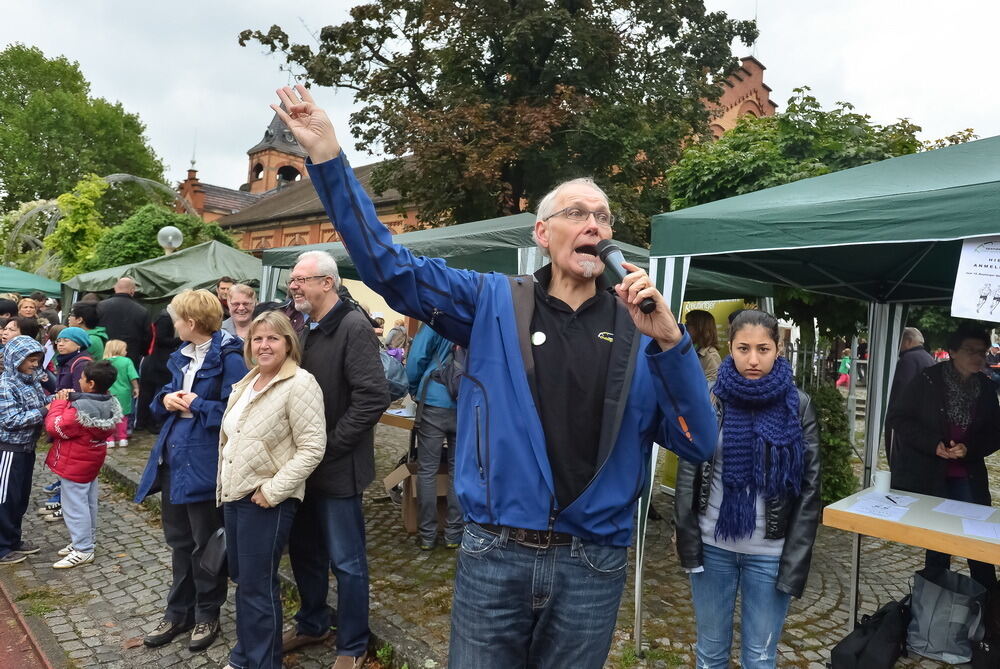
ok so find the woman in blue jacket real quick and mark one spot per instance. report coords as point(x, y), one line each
point(184, 463)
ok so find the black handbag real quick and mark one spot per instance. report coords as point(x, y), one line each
point(214, 556)
point(877, 641)
point(986, 654)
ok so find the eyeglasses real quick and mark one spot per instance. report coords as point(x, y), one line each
point(579, 215)
point(302, 279)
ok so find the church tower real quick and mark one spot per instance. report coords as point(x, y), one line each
point(276, 160)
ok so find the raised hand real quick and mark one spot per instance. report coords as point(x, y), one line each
point(309, 124)
point(659, 324)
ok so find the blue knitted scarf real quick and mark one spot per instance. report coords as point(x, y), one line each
point(757, 413)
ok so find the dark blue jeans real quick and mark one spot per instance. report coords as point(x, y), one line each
point(255, 539)
point(329, 533)
point(960, 489)
point(516, 606)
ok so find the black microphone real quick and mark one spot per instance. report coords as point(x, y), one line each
point(612, 258)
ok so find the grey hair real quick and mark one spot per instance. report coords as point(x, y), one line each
point(245, 289)
point(326, 264)
point(547, 207)
point(914, 335)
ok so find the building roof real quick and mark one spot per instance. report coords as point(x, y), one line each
point(220, 198)
point(299, 200)
point(278, 137)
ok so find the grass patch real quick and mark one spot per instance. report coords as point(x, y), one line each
point(44, 600)
point(670, 657)
point(628, 659)
point(289, 600)
point(384, 654)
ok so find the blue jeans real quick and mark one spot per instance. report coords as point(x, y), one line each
point(516, 606)
point(762, 612)
point(79, 506)
point(255, 539)
point(329, 533)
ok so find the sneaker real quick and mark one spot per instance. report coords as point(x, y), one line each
point(452, 544)
point(123, 443)
point(54, 516)
point(203, 635)
point(348, 662)
point(165, 633)
point(425, 545)
point(50, 507)
point(74, 559)
point(13, 557)
point(27, 548)
point(52, 487)
point(292, 640)
point(63, 552)
point(110, 443)
point(56, 497)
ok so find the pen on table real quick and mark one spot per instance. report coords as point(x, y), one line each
point(891, 499)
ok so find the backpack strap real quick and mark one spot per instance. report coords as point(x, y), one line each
point(522, 292)
point(82, 358)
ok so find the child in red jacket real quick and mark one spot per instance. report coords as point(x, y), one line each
point(79, 424)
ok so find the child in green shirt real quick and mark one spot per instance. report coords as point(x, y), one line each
point(125, 388)
point(845, 369)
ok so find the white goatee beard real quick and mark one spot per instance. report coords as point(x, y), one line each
point(303, 306)
point(589, 268)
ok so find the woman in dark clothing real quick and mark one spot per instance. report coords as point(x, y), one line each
point(746, 520)
point(153, 372)
point(946, 423)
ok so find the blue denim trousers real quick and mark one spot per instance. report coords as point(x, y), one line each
point(329, 534)
point(762, 610)
point(255, 540)
point(538, 608)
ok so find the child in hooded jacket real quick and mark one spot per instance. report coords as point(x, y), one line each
point(22, 410)
point(71, 346)
point(79, 424)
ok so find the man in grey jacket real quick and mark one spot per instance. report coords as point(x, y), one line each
point(340, 349)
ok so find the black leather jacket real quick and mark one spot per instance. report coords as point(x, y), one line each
point(795, 521)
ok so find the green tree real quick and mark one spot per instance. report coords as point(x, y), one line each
point(134, 239)
point(52, 133)
point(492, 103)
point(80, 226)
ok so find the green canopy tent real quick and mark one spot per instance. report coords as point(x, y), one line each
point(24, 283)
point(497, 245)
point(159, 279)
point(889, 233)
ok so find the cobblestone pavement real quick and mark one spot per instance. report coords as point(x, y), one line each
point(94, 613)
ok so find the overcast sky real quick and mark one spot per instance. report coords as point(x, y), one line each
point(178, 65)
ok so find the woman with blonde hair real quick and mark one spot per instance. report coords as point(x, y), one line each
point(273, 436)
point(705, 336)
point(184, 463)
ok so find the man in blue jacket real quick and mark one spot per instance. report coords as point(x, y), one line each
point(566, 389)
point(435, 426)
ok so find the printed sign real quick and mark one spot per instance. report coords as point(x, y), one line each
point(977, 283)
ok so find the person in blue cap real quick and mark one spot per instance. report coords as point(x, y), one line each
point(72, 357)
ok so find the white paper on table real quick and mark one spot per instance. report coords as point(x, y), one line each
point(893, 498)
point(964, 509)
point(977, 528)
point(878, 509)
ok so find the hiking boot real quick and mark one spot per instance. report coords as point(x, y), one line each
point(53, 516)
point(425, 545)
point(13, 557)
point(165, 633)
point(203, 635)
point(63, 552)
point(452, 544)
point(75, 558)
point(27, 548)
point(348, 662)
point(293, 640)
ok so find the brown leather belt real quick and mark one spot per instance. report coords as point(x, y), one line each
point(530, 538)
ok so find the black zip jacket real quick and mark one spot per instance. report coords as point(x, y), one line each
point(794, 520)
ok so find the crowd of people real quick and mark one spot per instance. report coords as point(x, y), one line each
point(540, 396)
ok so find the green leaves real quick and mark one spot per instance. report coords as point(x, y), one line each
point(494, 103)
point(52, 133)
point(80, 227)
point(836, 455)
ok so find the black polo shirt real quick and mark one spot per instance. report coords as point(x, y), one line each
point(571, 350)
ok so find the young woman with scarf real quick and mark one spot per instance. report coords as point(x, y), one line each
point(746, 519)
point(946, 422)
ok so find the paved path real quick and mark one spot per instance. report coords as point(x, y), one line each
point(97, 612)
